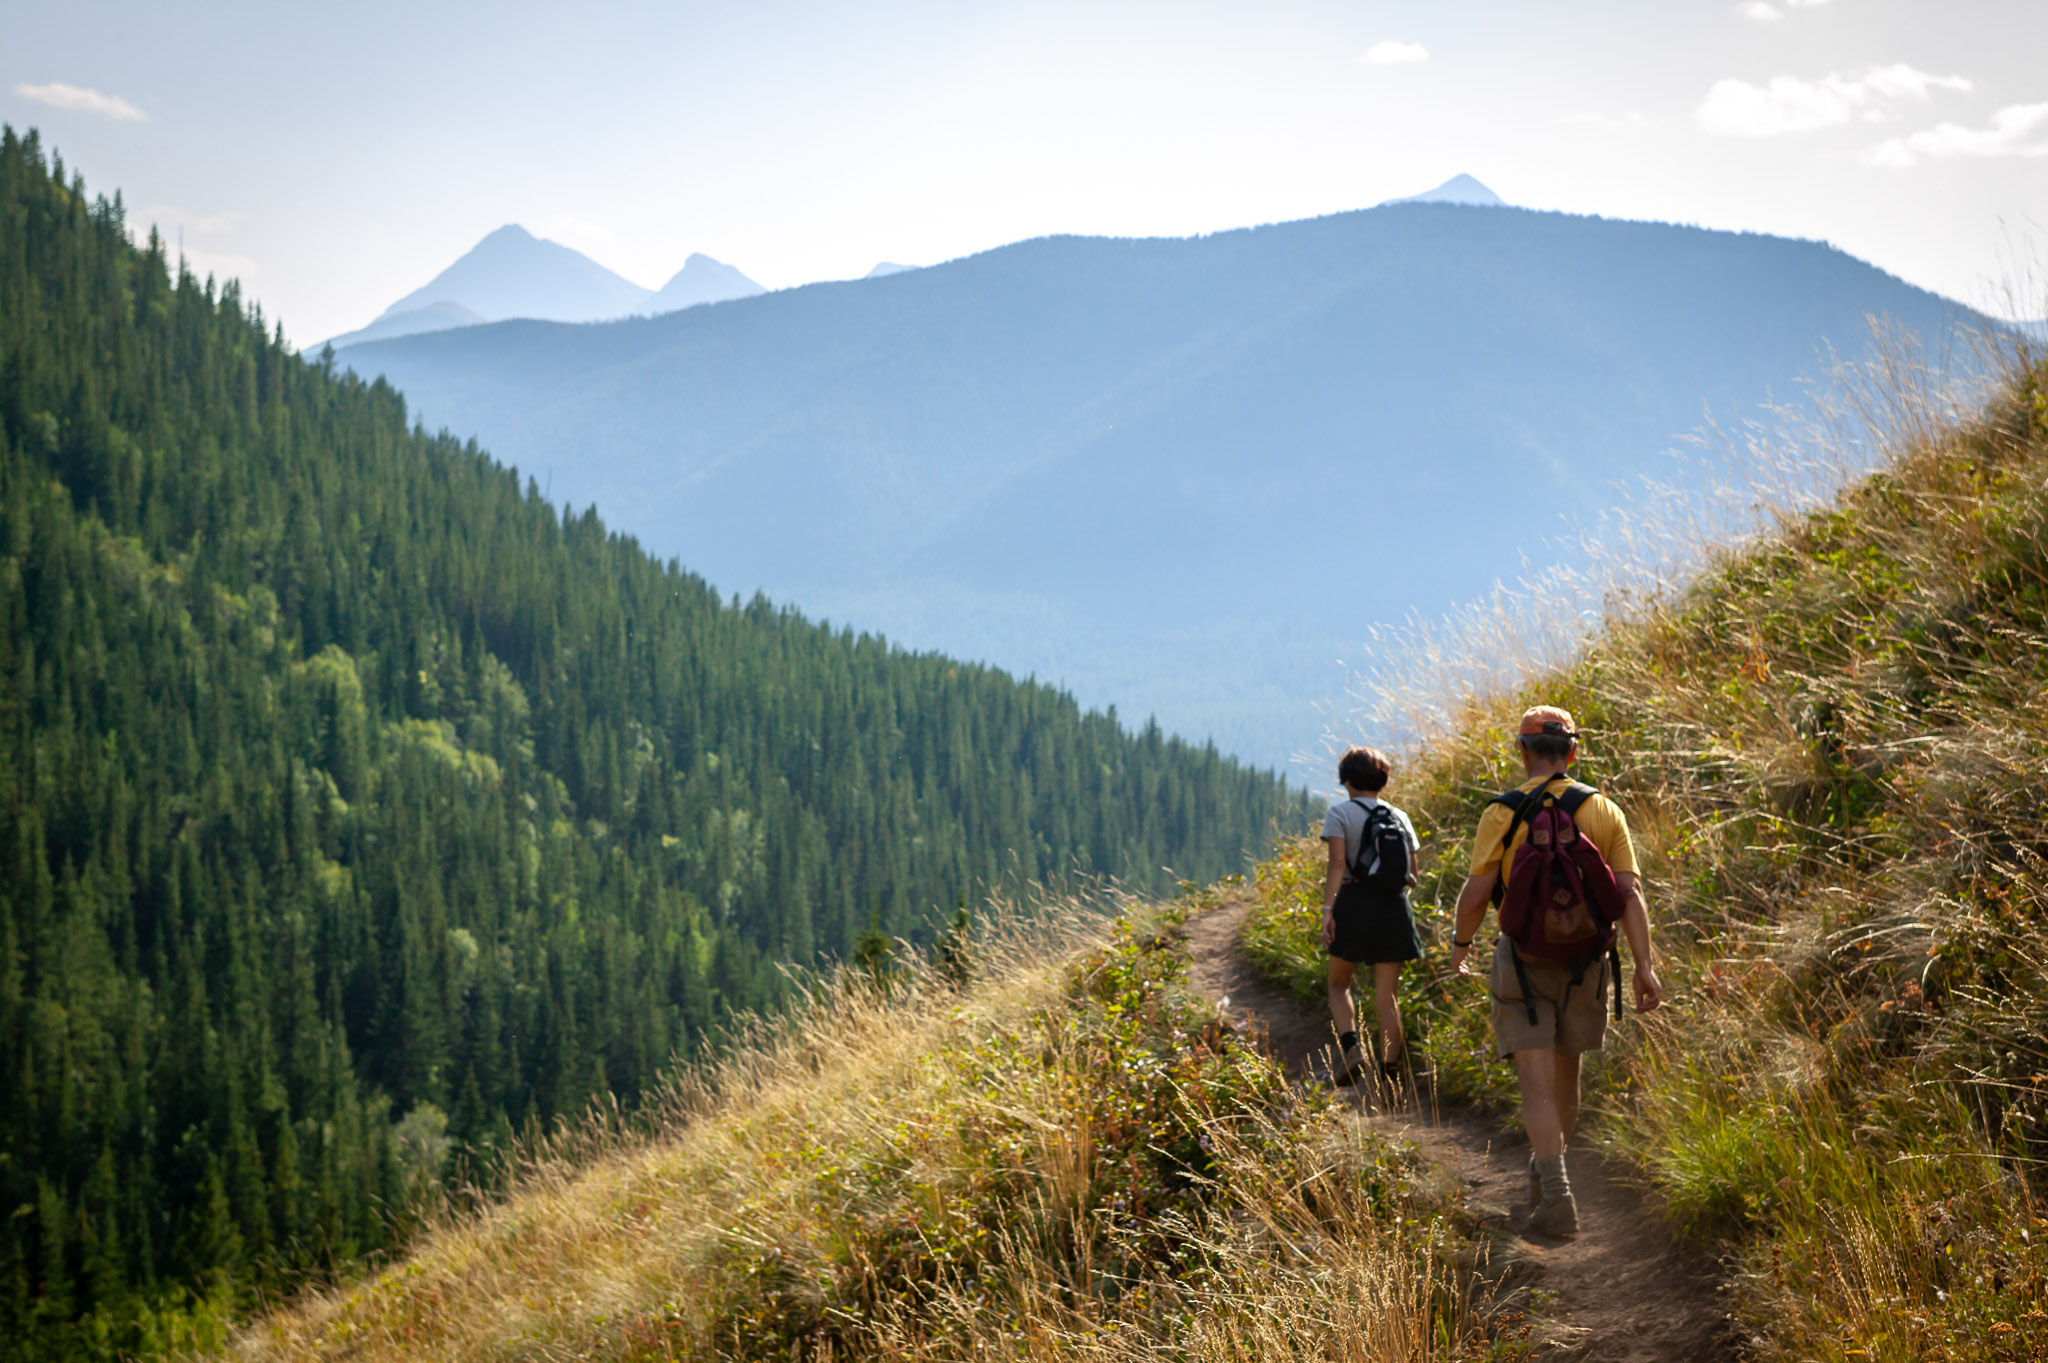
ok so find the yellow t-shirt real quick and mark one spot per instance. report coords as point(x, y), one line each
point(1599, 819)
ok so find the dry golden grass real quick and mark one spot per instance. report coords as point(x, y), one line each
point(591, 1239)
point(1832, 740)
point(1070, 1158)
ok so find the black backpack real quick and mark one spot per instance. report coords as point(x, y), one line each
point(1382, 864)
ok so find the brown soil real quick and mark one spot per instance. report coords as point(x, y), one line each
point(1621, 1291)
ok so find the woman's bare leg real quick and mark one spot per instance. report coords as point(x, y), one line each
point(1386, 976)
point(1343, 1016)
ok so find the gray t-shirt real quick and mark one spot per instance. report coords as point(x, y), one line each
point(1347, 818)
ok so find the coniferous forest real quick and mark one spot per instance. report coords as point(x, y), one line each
point(359, 809)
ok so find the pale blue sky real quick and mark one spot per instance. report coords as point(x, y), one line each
point(336, 157)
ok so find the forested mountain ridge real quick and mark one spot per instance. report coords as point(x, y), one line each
point(1294, 398)
point(353, 801)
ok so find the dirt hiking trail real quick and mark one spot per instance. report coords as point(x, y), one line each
point(1619, 1292)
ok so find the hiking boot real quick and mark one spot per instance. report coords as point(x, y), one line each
point(1557, 1218)
point(1350, 1064)
point(1535, 1184)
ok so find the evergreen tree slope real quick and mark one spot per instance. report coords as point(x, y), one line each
point(356, 807)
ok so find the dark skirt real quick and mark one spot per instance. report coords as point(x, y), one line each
point(1373, 927)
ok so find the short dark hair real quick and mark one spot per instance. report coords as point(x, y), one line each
point(1364, 769)
point(1548, 747)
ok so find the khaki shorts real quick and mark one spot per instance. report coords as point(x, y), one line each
point(1573, 1022)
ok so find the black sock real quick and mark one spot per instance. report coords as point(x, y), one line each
point(1347, 1041)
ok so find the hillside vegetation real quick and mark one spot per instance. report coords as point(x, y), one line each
point(1833, 748)
point(359, 810)
point(994, 1158)
point(1135, 465)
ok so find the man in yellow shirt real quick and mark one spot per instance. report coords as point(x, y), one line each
point(1547, 1029)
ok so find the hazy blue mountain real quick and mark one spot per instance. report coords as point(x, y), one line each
point(701, 280)
point(884, 269)
point(512, 273)
point(1459, 189)
point(1183, 476)
point(432, 317)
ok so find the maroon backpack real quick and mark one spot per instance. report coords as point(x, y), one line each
point(1559, 902)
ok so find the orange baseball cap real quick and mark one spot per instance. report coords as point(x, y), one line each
point(1547, 719)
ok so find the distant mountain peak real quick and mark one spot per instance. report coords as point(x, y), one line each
point(1459, 189)
point(513, 273)
point(701, 280)
point(886, 268)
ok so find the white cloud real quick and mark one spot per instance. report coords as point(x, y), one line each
point(1387, 52)
point(200, 260)
point(61, 96)
point(2016, 130)
point(228, 220)
point(1736, 108)
point(1900, 81)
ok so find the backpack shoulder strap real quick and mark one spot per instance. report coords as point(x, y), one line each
point(1379, 812)
point(1351, 865)
point(1518, 804)
point(1572, 796)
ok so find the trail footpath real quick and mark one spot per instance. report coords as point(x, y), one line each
point(1621, 1291)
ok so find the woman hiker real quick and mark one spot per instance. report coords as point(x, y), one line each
point(1366, 917)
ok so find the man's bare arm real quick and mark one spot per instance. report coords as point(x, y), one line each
point(1473, 900)
point(1635, 925)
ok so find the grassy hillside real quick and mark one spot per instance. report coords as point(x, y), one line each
point(1065, 1160)
point(1834, 751)
point(1166, 438)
